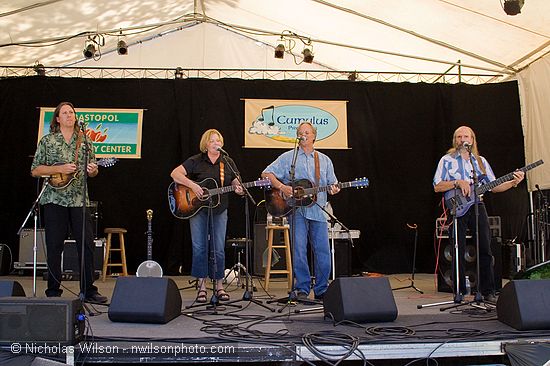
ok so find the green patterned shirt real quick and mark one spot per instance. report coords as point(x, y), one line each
point(52, 149)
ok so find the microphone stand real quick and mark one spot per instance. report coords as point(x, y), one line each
point(212, 264)
point(83, 245)
point(478, 298)
point(292, 295)
point(333, 220)
point(457, 297)
point(415, 228)
point(541, 223)
point(34, 210)
point(247, 295)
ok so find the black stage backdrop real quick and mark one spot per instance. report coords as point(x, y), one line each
point(397, 133)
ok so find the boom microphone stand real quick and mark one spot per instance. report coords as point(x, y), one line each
point(292, 295)
point(457, 297)
point(34, 210)
point(478, 298)
point(333, 220)
point(211, 250)
point(247, 295)
point(415, 228)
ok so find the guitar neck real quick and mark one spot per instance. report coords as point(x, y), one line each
point(315, 190)
point(505, 178)
point(230, 188)
point(149, 241)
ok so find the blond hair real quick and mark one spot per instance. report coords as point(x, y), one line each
point(307, 123)
point(206, 137)
point(455, 145)
point(454, 150)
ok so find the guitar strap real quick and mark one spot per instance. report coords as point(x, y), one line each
point(222, 172)
point(317, 169)
point(78, 143)
point(481, 165)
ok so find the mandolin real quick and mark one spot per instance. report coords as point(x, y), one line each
point(61, 180)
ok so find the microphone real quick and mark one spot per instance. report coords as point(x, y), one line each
point(222, 151)
point(301, 138)
point(466, 145)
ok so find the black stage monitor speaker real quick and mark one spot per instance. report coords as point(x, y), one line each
point(360, 299)
point(525, 304)
point(11, 288)
point(145, 300)
point(49, 320)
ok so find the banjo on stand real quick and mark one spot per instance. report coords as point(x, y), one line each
point(149, 268)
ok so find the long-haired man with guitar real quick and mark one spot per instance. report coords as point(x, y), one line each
point(310, 224)
point(60, 154)
point(454, 174)
point(207, 170)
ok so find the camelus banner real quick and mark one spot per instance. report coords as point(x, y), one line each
point(272, 123)
point(114, 132)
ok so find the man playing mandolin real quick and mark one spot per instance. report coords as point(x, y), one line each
point(455, 173)
point(309, 222)
point(60, 154)
point(208, 165)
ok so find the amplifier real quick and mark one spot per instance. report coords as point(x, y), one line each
point(69, 259)
point(26, 252)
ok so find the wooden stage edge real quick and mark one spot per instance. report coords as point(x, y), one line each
point(294, 333)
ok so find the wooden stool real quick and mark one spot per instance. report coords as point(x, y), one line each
point(270, 247)
point(108, 249)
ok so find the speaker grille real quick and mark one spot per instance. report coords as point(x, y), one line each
point(40, 320)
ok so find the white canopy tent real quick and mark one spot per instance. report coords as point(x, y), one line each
point(420, 40)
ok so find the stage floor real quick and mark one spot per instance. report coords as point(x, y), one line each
point(291, 332)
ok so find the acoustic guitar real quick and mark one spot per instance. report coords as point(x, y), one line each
point(305, 193)
point(149, 268)
point(184, 203)
point(61, 180)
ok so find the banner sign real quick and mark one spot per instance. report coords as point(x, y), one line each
point(114, 132)
point(272, 123)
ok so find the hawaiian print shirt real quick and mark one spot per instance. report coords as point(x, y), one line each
point(52, 149)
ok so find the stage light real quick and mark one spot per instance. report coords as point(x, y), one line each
point(308, 55)
point(122, 47)
point(89, 49)
point(352, 76)
point(178, 73)
point(39, 69)
point(513, 7)
point(280, 51)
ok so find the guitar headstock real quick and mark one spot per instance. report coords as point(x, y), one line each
point(262, 182)
point(360, 183)
point(149, 214)
point(107, 162)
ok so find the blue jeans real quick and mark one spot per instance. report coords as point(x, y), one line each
point(316, 232)
point(204, 249)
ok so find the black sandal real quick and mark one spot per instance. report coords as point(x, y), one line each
point(222, 295)
point(201, 297)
